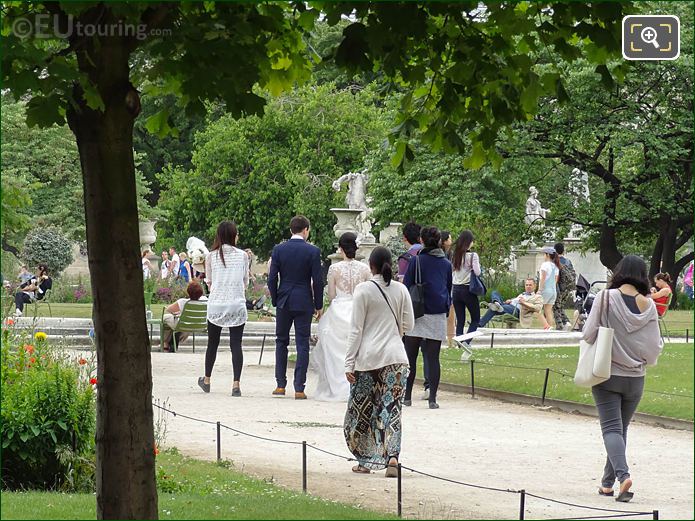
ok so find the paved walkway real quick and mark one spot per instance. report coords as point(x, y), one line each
point(477, 441)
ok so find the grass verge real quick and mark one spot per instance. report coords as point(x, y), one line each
point(193, 489)
point(523, 370)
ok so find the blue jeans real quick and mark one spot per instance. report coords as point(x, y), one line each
point(509, 309)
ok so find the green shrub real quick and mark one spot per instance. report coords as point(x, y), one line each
point(48, 418)
point(47, 246)
point(71, 290)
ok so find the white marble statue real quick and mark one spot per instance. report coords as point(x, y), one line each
point(534, 211)
point(356, 199)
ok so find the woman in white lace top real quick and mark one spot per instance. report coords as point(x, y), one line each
point(328, 357)
point(227, 276)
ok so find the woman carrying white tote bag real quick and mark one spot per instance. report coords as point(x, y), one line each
point(635, 343)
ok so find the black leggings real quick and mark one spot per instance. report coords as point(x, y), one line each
point(21, 298)
point(235, 334)
point(430, 351)
point(463, 299)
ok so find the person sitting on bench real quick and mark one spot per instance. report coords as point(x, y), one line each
point(522, 307)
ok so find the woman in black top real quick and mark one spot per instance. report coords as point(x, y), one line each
point(33, 289)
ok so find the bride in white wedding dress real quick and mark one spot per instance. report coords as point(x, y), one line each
point(328, 357)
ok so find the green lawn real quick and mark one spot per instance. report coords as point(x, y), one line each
point(673, 374)
point(192, 489)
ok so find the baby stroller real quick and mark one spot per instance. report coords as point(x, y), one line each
point(584, 296)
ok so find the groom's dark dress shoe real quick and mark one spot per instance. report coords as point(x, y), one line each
point(300, 395)
point(279, 391)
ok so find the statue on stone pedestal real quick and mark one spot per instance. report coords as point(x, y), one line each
point(356, 199)
point(534, 211)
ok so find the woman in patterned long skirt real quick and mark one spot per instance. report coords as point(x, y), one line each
point(376, 366)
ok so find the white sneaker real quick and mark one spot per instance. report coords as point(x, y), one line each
point(496, 306)
point(17, 313)
point(425, 395)
point(568, 327)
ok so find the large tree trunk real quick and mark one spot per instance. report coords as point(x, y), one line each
point(126, 485)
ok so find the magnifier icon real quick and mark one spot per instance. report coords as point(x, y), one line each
point(648, 36)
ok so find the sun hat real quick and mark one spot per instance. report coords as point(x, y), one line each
point(549, 250)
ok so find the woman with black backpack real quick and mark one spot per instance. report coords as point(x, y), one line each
point(429, 275)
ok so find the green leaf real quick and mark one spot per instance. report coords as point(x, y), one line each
point(62, 425)
point(24, 436)
point(477, 158)
point(53, 436)
point(35, 430)
point(44, 111)
point(158, 124)
point(397, 157)
point(606, 78)
point(92, 97)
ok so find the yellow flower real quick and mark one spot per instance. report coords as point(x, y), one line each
point(40, 335)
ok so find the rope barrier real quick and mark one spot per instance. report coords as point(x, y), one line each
point(483, 487)
point(260, 437)
point(568, 375)
point(587, 507)
point(616, 513)
point(605, 517)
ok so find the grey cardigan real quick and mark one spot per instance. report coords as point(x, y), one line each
point(636, 341)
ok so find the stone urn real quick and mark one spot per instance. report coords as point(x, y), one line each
point(148, 235)
point(347, 222)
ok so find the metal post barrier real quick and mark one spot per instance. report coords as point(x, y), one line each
point(492, 340)
point(400, 493)
point(472, 378)
point(545, 385)
point(522, 503)
point(687, 341)
point(219, 445)
point(655, 514)
point(261, 355)
point(304, 467)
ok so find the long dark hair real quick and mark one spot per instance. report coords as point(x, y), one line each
point(380, 262)
point(463, 243)
point(226, 234)
point(555, 259)
point(631, 270)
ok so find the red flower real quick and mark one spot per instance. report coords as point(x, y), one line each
point(32, 361)
point(93, 381)
point(156, 450)
point(9, 322)
point(29, 348)
point(82, 361)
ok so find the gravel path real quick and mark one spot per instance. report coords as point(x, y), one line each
point(479, 441)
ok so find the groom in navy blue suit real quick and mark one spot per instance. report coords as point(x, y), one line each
point(297, 297)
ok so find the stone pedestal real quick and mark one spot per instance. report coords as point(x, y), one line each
point(365, 250)
point(528, 260)
point(389, 232)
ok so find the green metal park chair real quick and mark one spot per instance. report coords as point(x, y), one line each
point(193, 319)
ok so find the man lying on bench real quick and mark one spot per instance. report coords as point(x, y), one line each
point(522, 307)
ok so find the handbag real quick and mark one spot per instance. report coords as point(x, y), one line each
point(476, 285)
point(417, 291)
point(398, 324)
point(594, 364)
